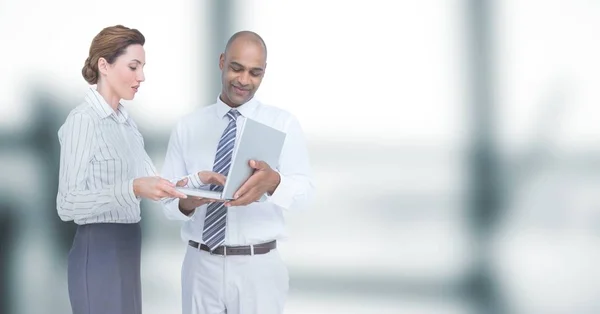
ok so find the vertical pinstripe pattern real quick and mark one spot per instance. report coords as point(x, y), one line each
point(101, 153)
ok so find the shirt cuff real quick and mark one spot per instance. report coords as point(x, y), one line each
point(284, 193)
point(195, 182)
point(123, 192)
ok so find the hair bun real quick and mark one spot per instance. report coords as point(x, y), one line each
point(89, 73)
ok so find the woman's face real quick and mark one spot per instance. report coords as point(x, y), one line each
point(126, 74)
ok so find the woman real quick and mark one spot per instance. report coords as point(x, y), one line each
point(104, 173)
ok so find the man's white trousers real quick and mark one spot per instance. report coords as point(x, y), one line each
point(235, 284)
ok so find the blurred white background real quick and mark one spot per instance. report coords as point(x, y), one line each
point(396, 98)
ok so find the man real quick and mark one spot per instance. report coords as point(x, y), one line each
point(231, 264)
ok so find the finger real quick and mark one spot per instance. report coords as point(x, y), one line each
point(174, 193)
point(251, 183)
point(258, 164)
point(161, 195)
point(166, 182)
point(238, 202)
point(253, 163)
point(219, 178)
point(244, 188)
point(166, 185)
point(215, 182)
point(182, 182)
point(156, 196)
point(244, 199)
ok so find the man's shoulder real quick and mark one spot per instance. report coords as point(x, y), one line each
point(275, 117)
point(197, 115)
point(275, 111)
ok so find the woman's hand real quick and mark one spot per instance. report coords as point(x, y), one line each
point(155, 188)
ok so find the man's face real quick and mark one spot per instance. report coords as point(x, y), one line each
point(242, 70)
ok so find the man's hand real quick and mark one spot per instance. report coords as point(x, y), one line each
point(187, 206)
point(263, 180)
point(210, 177)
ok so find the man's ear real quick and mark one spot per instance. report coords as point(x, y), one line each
point(222, 61)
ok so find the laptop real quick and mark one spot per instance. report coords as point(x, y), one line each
point(256, 141)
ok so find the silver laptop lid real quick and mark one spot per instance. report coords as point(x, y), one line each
point(257, 141)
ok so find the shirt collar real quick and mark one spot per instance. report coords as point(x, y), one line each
point(103, 109)
point(245, 109)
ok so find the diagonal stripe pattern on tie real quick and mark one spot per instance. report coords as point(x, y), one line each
point(215, 221)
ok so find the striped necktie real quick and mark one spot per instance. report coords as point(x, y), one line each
point(216, 220)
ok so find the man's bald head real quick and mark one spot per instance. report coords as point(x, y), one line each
point(248, 37)
point(243, 66)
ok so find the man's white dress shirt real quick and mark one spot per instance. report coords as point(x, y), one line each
point(192, 148)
